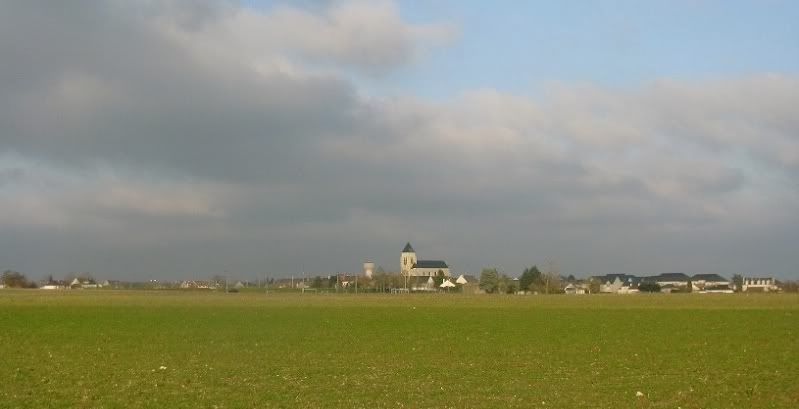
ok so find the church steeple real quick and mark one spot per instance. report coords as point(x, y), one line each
point(408, 259)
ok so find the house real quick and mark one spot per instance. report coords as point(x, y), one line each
point(51, 284)
point(672, 280)
point(411, 267)
point(54, 285)
point(197, 285)
point(187, 284)
point(711, 283)
point(111, 284)
point(574, 288)
point(78, 283)
point(759, 284)
point(618, 283)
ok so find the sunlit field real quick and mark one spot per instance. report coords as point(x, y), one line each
point(104, 349)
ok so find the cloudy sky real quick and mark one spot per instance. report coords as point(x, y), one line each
point(180, 139)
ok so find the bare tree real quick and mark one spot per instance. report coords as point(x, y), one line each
point(551, 276)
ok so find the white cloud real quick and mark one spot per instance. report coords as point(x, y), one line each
point(369, 36)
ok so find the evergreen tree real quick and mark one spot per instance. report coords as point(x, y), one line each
point(489, 280)
point(530, 278)
point(439, 278)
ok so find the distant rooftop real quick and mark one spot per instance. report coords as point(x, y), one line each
point(708, 277)
point(430, 264)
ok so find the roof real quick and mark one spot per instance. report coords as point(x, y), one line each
point(624, 278)
point(430, 264)
point(408, 248)
point(708, 277)
point(671, 277)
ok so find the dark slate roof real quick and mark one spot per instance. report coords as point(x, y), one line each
point(408, 248)
point(708, 277)
point(671, 277)
point(625, 278)
point(430, 264)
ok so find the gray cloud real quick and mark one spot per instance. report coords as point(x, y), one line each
point(185, 138)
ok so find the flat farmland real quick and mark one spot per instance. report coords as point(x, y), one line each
point(170, 349)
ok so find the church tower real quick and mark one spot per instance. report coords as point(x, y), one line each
point(408, 259)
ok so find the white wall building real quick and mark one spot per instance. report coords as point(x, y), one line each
point(764, 284)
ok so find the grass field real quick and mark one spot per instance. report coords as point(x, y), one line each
point(103, 349)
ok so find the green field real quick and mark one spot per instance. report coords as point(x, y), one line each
point(103, 349)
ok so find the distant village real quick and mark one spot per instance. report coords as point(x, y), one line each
point(430, 276)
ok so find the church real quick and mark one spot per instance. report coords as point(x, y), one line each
point(411, 267)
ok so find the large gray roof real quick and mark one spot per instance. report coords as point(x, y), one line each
point(622, 277)
point(430, 264)
point(672, 277)
point(709, 277)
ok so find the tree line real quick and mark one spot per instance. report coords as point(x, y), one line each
point(531, 280)
point(15, 279)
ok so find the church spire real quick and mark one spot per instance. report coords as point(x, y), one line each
point(408, 248)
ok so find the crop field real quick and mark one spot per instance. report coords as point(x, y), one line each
point(170, 349)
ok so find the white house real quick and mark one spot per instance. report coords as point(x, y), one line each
point(575, 289)
point(618, 283)
point(759, 284)
point(711, 283)
point(671, 280)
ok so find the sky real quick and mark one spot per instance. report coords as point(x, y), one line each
point(181, 139)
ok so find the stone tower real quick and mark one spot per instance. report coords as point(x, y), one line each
point(368, 269)
point(408, 259)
